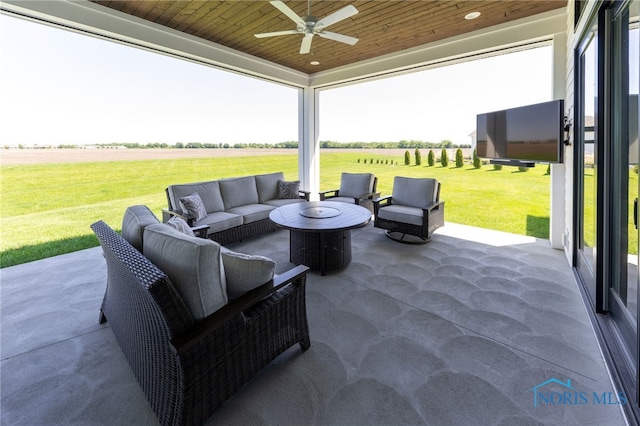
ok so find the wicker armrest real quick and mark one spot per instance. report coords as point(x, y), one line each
point(383, 201)
point(168, 213)
point(304, 194)
point(433, 206)
point(368, 196)
point(325, 194)
point(207, 326)
point(201, 231)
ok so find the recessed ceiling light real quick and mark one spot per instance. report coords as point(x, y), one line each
point(472, 15)
point(315, 63)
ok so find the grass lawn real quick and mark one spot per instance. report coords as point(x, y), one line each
point(52, 205)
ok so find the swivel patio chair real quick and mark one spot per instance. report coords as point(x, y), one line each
point(355, 188)
point(413, 212)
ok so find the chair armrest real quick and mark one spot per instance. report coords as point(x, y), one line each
point(326, 194)
point(201, 231)
point(304, 194)
point(433, 206)
point(182, 343)
point(383, 201)
point(368, 196)
point(168, 213)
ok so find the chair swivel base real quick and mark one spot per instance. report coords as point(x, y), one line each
point(401, 237)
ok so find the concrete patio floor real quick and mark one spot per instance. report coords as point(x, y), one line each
point(477, 327)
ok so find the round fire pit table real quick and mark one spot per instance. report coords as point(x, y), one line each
point(320, 232)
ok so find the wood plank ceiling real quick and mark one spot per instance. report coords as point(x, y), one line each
point(382, 26)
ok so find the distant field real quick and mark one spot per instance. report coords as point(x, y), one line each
point(42, 156)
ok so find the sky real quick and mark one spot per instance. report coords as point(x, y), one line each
point(59, 87)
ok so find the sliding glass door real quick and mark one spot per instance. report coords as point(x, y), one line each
point(606, 159)
point(586, 167)
point(624, 152)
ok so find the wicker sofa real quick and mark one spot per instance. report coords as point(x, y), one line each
point(236, 208)
point(190, 355)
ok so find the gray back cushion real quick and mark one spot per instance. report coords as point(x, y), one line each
point(209, 192)
point(192, 264)
point(268, 186)
point(414, 192)
point(239, 191)
point(356, 184)
point(135, 219)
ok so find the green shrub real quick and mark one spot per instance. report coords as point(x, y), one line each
point(418, 157)
point(431, 158)
point(476, 160)
point(444, 158)
point(358, 161)
point(407, 158)
point(497, 167)
point(365, 161)
point(523, 169)
point(459, 158)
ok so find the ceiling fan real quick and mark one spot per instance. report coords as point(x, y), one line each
point(310, 25)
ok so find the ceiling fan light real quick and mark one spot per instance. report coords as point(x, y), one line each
point(472, 15)
point(314, 63)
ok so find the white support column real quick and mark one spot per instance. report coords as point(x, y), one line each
point(557, 189)
point(308, 144)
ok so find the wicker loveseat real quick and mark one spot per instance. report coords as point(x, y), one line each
point(190, 356)
point(237, 208)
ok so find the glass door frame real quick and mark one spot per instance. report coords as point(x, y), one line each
point(618, 337)
point(589, 266)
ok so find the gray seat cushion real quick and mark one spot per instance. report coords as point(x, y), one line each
point(135, 219)
point(252, 212)
point(219, 221)
point(414, 192)
point(402, 214)
point(356, 184)
point(192, 264)
point(342, 199)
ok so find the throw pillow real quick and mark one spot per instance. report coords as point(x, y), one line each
point(288, 190)
point(181, 225)
point(245, 272)
point(195, 207)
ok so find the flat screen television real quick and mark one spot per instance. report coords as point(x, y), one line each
point(527, 134)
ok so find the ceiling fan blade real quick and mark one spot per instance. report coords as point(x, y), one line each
point(276, 33)
point(287, 11)
point(305, 47)
point(337, 16)
point(338, 37)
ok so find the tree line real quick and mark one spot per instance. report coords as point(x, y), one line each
point(294, 144)
point(289, 144)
